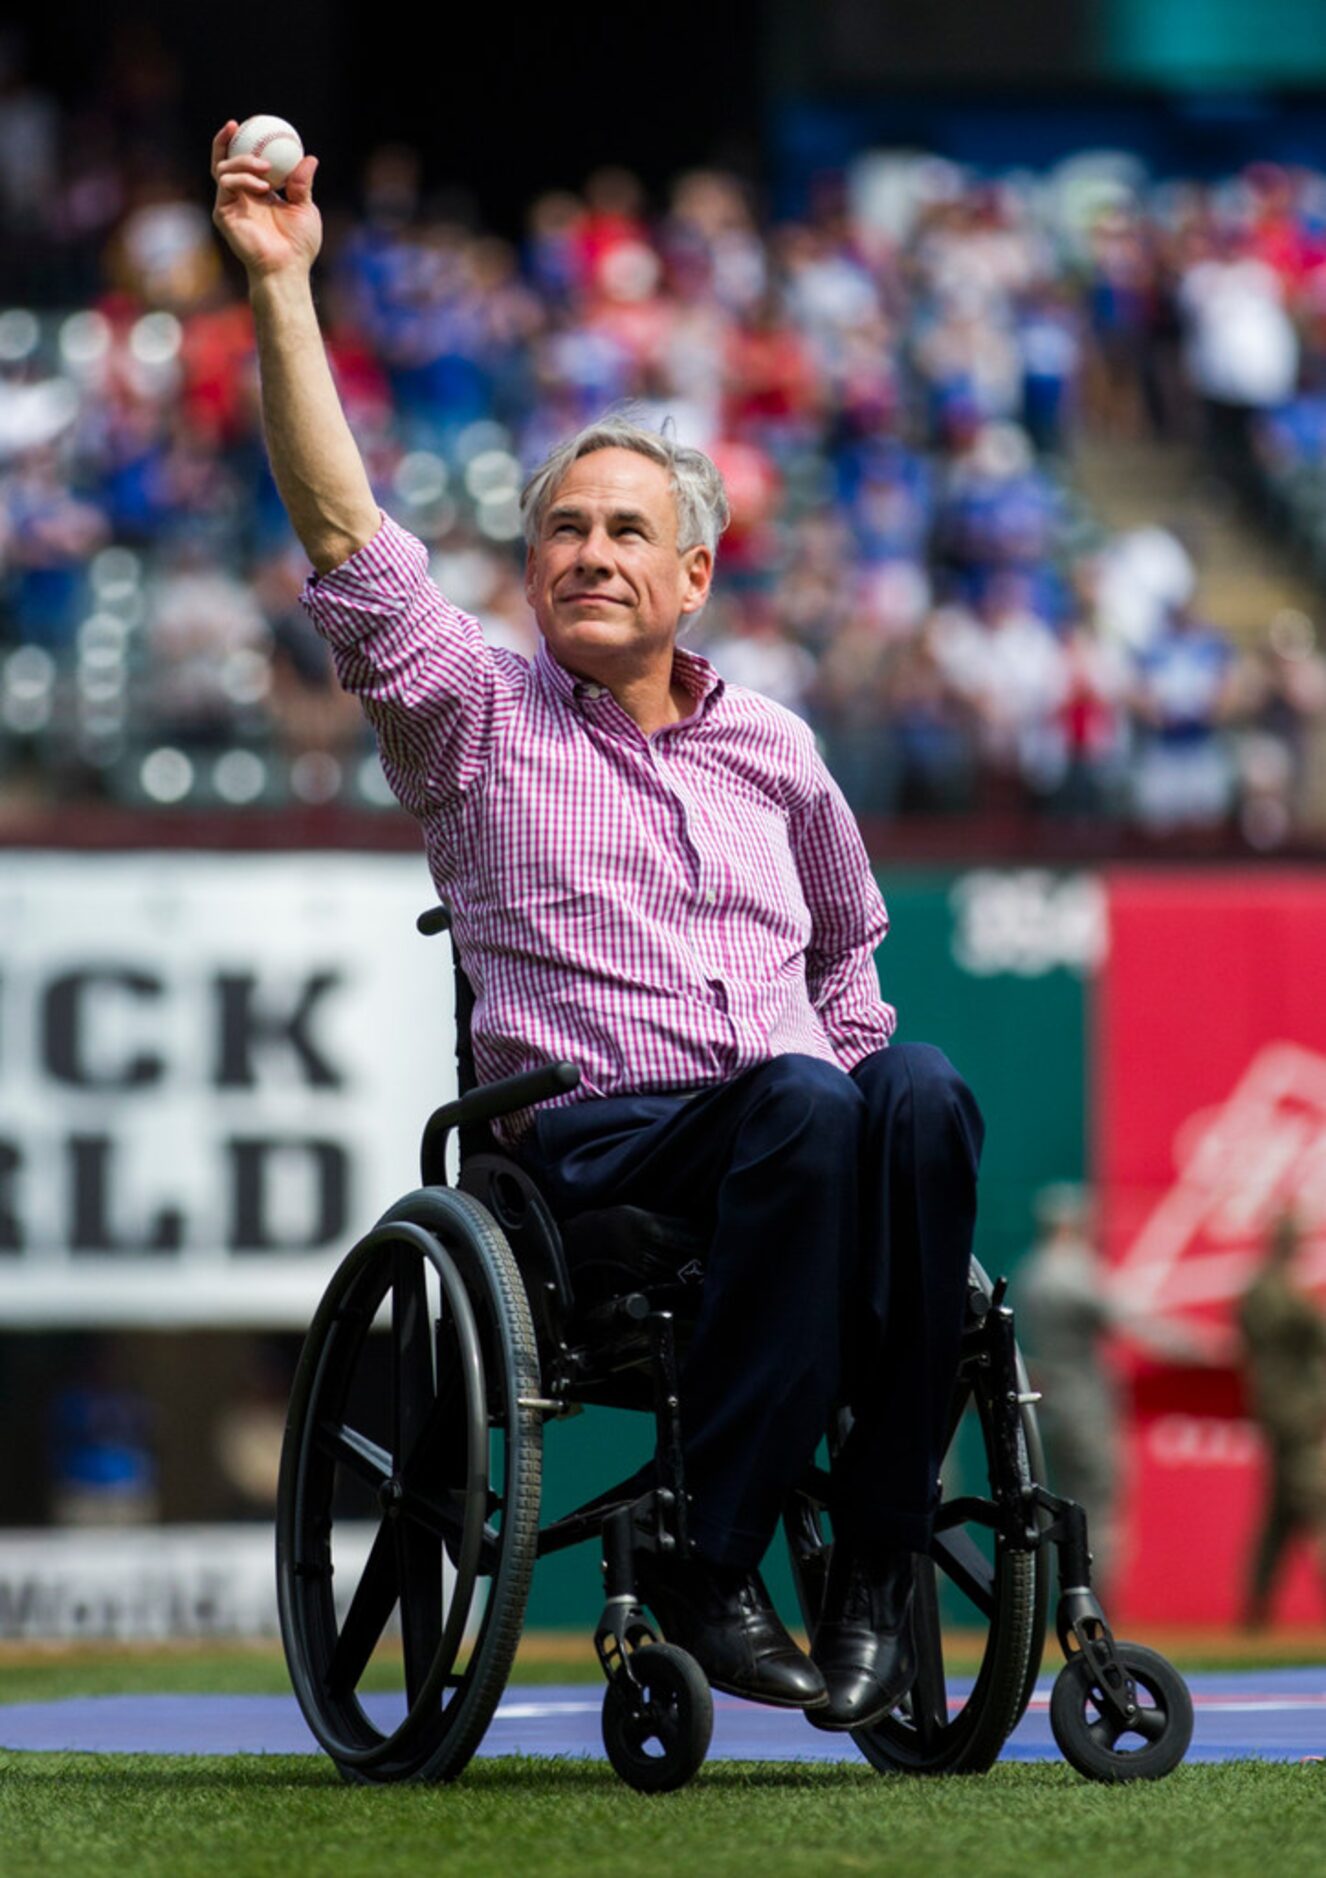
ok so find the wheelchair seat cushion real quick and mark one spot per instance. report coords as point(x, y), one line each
point(618, 1249)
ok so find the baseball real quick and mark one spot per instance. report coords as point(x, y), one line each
point(269, 137)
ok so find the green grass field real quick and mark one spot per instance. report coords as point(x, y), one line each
point(130, 1815)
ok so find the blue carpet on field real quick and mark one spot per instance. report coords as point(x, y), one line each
point(1276, 1714)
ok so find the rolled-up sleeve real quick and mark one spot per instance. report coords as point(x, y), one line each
point(848, 922)
point(421, 669)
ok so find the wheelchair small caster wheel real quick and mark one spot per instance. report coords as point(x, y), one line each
point(1094, 1741)
point(657, 1728)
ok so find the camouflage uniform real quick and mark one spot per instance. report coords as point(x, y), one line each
point(1284, 1340)
point(1066, 1316)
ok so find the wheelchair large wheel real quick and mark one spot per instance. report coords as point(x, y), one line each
point(407, 1515)
point(942, 1726)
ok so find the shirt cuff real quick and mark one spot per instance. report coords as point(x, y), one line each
point(370, 589)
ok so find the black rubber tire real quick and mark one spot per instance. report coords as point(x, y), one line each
point(449, 1448)
point(1043, 1572)
point(1089, 1737)
point(672, 1707)
point(925, 1734)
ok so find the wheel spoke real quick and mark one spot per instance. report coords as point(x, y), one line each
point(444, 1513)
point(372, 1604)
point(439, 1453)
point(441, 1513)
point(412, 1355)
point(1104, 1731)
point(419, 1564)
point(355, 1451)
point(1150, 1723)
point(962, 1560)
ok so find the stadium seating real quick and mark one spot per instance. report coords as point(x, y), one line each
point(893, 388)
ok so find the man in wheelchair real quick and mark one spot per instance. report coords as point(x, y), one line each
point(651, 873)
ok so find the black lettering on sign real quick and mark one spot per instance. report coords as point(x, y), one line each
point(65, 1027)
point(11, 1232)
point(23, 1603)
point(250, 1189)
point(243, 1027)
point(91, 1169)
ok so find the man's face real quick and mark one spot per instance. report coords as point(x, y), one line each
point(605, 579)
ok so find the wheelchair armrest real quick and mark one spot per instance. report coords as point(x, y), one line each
point(489, 1101)
point(510, 1093)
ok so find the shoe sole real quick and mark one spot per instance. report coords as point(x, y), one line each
point(845, 1727)
point(766, 1701)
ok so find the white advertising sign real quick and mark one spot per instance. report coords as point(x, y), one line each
point(214, 1072)
point(137, 1583)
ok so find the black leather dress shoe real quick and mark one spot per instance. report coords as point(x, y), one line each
point(863, 1642)
point(724, 1618)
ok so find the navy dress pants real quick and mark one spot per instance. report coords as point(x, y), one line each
point(840, 1209)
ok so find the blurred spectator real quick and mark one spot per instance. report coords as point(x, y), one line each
point(1083, 747)
point(1138, 582)
point(970, 367)
point(207, 645)
point(103, 1463)
point(1283, 724)
point(773, 390)
point(50, 534)
point(1121, 303)
point(1284, 1345)
point(1183, 696)
point(1050, 347)
point(1067, 1316)
point(712, 242)
point(1009, 667)
point(930, 733)
point(314, 717)
point(1241, 349)
point(751, 648)
point(163, 253)
point(997, 509)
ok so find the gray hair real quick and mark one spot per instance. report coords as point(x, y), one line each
point(697, 487)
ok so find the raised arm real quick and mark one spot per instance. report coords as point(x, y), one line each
point(315, 460)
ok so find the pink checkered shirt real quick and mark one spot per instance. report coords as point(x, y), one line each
point(664, 911)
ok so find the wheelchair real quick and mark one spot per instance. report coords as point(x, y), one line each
point(409, 1497)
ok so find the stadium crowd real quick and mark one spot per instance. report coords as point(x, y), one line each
point(891, 383)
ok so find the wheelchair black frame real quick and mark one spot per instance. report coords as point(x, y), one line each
point(561, 1358)
point(1024, 1517)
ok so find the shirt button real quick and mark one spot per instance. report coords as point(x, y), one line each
point(593, 691)
point(711, 898)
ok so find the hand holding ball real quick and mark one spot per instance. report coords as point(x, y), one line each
point(269, 137)
point(269, 233)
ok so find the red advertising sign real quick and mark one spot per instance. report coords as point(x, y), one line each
point(1210, 1117)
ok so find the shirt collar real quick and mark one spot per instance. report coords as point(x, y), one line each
point(696, 676)
point(692, 672)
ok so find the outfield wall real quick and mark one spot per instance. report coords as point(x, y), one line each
point(213, 1070)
